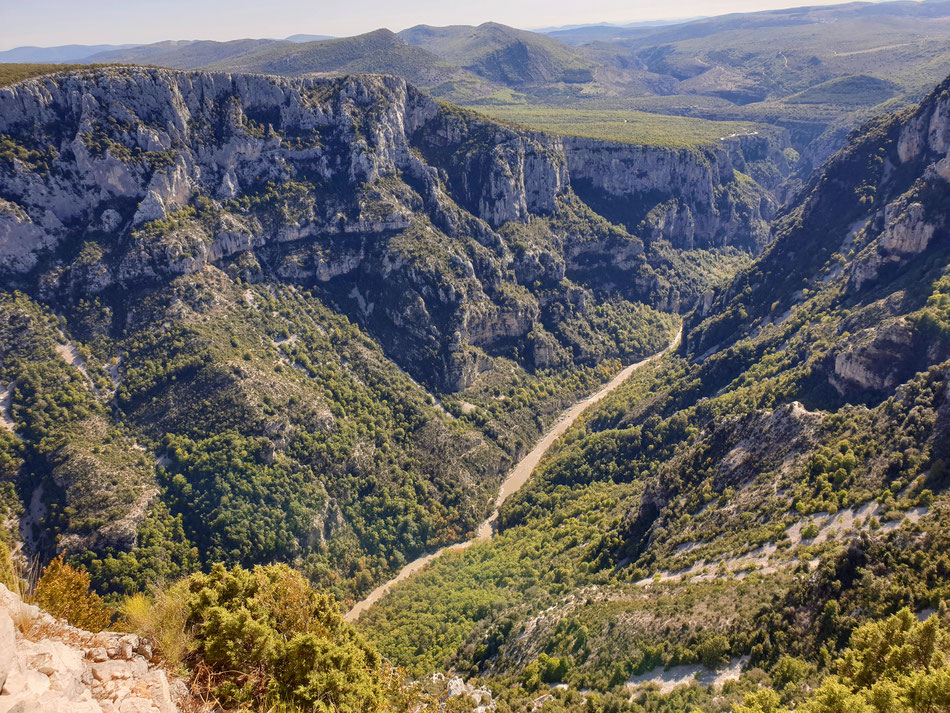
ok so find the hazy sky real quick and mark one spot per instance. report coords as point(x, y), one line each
point(58, 22)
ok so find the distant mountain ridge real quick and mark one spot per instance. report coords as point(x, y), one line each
point(130, 52)
point(61, 53)
point(185, 54)
point(815, 71)
point(728, 62)
point(377, 52)
point(503, 54)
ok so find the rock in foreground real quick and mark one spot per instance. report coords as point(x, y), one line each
point(49, 666)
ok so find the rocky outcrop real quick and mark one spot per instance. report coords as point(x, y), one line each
point(874, 361)
point(908, 231)
point(691, 197)
point(449, 692)
point(421, 221)
point(47, 666)
point(928, 131)
point(859, 369)
point(913, 221)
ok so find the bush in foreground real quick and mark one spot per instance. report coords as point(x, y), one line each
point(263, 639)
point(63, 591)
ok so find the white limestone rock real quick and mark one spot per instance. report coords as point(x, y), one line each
point(53, 667)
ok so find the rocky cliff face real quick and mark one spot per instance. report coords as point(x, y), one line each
point(156, 139)
point(363, 186)
point(869, 233)
point(693, 198)
point(48, 666)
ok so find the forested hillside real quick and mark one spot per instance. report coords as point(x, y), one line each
point(250, 320)
point(754, 504)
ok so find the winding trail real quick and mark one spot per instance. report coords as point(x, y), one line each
point(513, 482)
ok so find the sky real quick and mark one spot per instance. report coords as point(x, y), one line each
point(48, 23)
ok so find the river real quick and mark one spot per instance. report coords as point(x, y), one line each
point(516, 478)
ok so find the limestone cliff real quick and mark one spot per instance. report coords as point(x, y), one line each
point(693, 198)
point(396, 205)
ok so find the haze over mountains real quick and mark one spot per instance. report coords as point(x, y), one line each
point(75, 53)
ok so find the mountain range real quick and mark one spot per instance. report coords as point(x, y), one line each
point(816, 72)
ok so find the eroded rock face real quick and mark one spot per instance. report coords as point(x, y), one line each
point(691, 197)
point(908, 231)
point(361, 185)
point(406, 211)
point(873, 360)
point(47, 666)
point(876, 360)
point(123, 148)
point(927, 132)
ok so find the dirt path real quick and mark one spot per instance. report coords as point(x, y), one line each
point(513, 482)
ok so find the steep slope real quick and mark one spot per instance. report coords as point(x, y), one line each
point(223, 281)
point(755, 499)
point(863, 222)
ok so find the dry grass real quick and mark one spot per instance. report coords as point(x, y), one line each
point(633, 127)
point(163, 619)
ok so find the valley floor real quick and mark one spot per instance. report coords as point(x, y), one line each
point(513, 482)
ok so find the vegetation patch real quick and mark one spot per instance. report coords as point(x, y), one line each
point(629, 127)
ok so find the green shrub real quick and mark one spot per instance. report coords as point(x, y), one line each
point(8, 577)
point(760, 702)
point(63, 591)
point(898, 665)
point(553, 668)
point(268, 637)
point(163, 619)
point(790, 671)
point(714, 651)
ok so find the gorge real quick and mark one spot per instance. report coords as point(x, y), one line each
point(556, 408)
